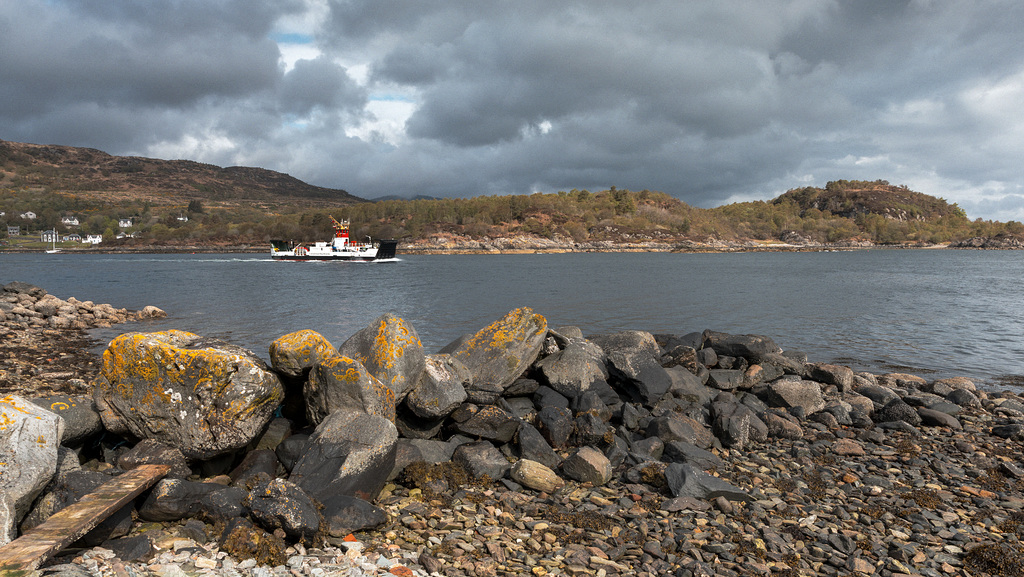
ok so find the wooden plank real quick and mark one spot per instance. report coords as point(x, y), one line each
point(28, 552)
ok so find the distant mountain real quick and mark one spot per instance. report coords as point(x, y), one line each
point(397, 197)
point(91, 172)
point(850, 198)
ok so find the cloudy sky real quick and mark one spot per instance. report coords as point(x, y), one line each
point(710, 101)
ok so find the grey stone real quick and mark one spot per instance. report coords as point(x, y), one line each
point(149, 451)
point(343, 384)
point(794, 393)
point(348, 454)
point(588, 465)
point(279, 504)
point(530, 444)
point(488, 422)
point(391, 351)
point(201, 396)
point(480, 459)
point(502, 351)
point(81, 416)
point(750, 347)
point(897, 410)
point(725, 379)
point(841, 377)
point(572, 370)
point(28, 458)
point(686, 481)
point(441, 388)
point(294, 354)
point(344, 515)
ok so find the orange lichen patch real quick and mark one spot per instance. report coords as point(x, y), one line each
point(518, 325)
point(300, 350)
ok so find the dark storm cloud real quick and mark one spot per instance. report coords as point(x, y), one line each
point(706, 100)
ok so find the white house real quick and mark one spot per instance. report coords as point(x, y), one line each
point(93, 239)
point(13, 230)
point(71, 238)
point(69, 221)
point(124, 223)
point(48, 236)
point(28, 215)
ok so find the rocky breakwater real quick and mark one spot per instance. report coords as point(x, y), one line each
point(524, 449)
point(43, 345)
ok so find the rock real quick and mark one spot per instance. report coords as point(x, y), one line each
point(535, 476)
point(649, 449)
point(344, 515)
point(956, 383)
point(688, 386)
point(204, 397)
point(412, 426)
point(148, 452)
point(634, 367)
point(481, 459)
point(589, 429)
point(588, 465)
point(555, 425)
point(501, 352)
point(847, 447)
point(130, 549)
point(391, 351)
point(735, 424)
point(686, 481)
point(348, 454)
point(879, 395)
point(902, 381)
point(291, 449)
point(683, 452)
point(963, 398)
point(489, 422)
point(841, 377)
point(342, 384)
point(29, 437)
point(243, 540)
point(750, 347)
point(279, 504)
point(429, 451)
point(530, 444)
point(81, 417)
point(933, 418)
point(782, 425)
point(255, 462)
point(150, 312)
point(725, 379)
point(175, 499)
point(294, 354)
point(897, 410)
point(441, 388)
point(545, 397)
point(572, 370)
point(680, 428)
point(794, 393)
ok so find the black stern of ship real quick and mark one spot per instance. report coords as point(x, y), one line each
point(387, 249)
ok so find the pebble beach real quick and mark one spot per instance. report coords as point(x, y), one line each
point(826, 497)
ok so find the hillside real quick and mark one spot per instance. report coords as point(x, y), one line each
point(852, 198)
point(96, 174)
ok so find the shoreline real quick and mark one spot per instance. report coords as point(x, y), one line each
point(420, 249)
point(814, 497)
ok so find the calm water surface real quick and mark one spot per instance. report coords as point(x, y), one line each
point(935, 313)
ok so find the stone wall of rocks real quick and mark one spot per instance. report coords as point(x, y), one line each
point(23, 305)
point(621, 442)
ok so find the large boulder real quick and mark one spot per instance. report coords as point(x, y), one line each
point(788, 393)
point(343, 384)
point(500, 352)
point(441, 388)
point(81, 417)
point(390, 350)
point(572, 370)
point(751, 347)
point(686, 481)
point(202, 396)
point(348, 454)
point(294, 354)
point(634, 365)
point(29, 437)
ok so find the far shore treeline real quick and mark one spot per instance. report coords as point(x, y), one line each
point(842, 212)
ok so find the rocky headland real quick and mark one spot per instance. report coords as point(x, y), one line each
point(522, 449)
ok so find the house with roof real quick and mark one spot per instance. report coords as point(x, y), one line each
point(69, 221)
point(28, 215)
point(71, 238)
point(49, 236)
point(13, 230)
point(124, 223)
point(93, 239)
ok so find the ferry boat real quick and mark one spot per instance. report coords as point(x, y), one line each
point(340, 247)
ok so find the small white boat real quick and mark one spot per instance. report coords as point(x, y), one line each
point(339, 248)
